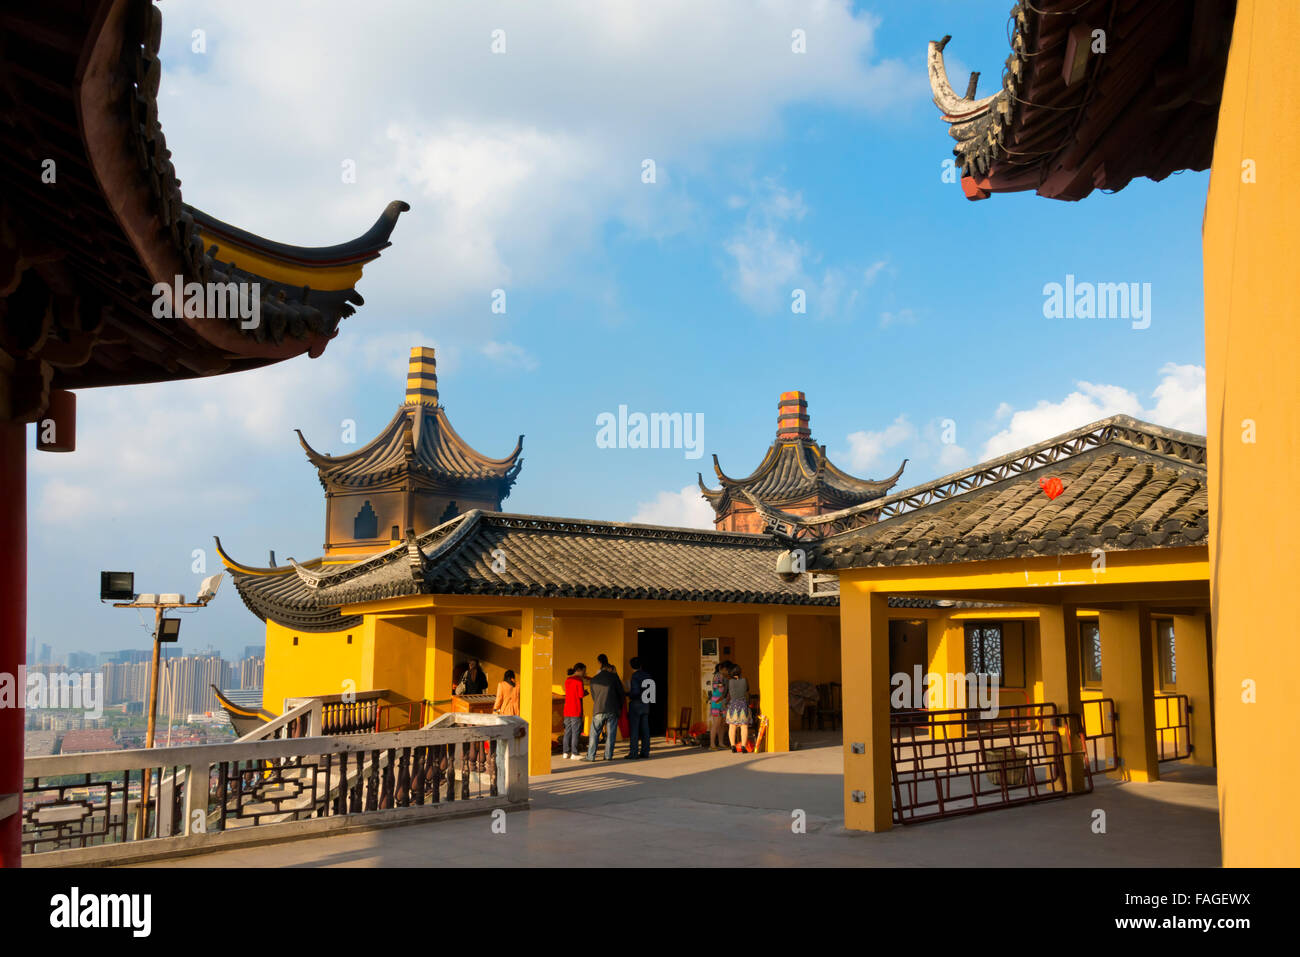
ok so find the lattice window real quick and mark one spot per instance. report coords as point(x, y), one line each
point(1090, 652)
point(1166, 645)
point(984, 649)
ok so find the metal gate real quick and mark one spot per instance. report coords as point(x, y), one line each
point(957, 762)
point(1173, 726)
point(1099, 733)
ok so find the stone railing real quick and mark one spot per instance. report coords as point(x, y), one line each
point(81, 809)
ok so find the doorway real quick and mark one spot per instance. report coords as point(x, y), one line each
point(652, 649)
point(907, 653)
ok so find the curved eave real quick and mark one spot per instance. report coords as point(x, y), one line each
point(448, 435)
point(851, 483)
point(242, 569)
point(714, 495)
point(326, 268)
point(769, 462)
point(385, 437)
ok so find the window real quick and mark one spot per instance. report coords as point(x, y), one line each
point(1166, 649)
point(366, 524)
point(1090, 652)
point(984, 648)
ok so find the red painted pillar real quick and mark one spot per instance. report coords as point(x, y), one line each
point(13, 626)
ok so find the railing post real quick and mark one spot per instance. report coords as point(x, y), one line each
point(166, 803)
point(515, 772)
point(196, 797)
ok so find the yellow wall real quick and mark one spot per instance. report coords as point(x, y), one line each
point(393, 657)
point(581, 640)
point(1251, 234)
point(317, 665)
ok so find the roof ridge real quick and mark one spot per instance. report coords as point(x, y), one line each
point(1118, 429)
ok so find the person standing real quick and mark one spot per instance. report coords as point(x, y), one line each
point(575, 689)
point(606, 702)
point(718, 704)
point(641, 693)
point(473, 681)
point(738, 714)
point(507, 696)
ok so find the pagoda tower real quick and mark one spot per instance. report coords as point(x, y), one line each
point(416, 474)
point(794, 477)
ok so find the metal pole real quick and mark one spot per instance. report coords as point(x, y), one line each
point(143, 814)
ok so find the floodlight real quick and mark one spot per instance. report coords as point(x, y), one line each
point(208, 589)
point(116, 586)
point(171, 598)
point(169, 629)
point(147, 599)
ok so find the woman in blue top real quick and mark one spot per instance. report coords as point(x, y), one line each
point(717, 704)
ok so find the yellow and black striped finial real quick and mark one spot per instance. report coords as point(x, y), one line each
point(422, 377)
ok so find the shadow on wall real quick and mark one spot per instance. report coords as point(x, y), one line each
point(495, 659)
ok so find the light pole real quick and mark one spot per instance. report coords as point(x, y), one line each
point(121, 585)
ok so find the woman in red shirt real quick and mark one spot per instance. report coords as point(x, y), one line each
point(574, 691)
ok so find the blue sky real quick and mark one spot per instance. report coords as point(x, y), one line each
point(775, 171)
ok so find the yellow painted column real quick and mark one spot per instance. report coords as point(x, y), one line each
point(1250, 235)
point(1126, 677)
point(537, 629)
point(1058, 649)
point(864, 658)
point(438, 660)
point(774, 678)
point(946, 655)
point(1192, 660)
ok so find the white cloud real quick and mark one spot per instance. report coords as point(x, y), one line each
point(903, 317)
point(1180, 404)
point(513, 163)
point(1180, 398)
point(684, 509)
point(867, 449)
point(508, 354)
point(953, 457)
point(768, 264)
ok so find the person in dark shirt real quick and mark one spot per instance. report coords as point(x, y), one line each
point(606, 702)
point(641, 694)
point(473, 681)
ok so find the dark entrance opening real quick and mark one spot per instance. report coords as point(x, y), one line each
point(652, 649)
point(907, 652)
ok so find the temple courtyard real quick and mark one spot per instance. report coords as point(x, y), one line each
point(685, 807)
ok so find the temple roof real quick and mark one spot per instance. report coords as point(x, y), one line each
point(418, 444)
point(544, 557)
point(794, 469)
point(1070, 118)
point(92, 220)
point(1126, 485)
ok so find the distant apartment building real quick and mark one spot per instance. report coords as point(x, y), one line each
point(250, 672)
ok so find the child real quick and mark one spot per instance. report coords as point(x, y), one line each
point(574, 691)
